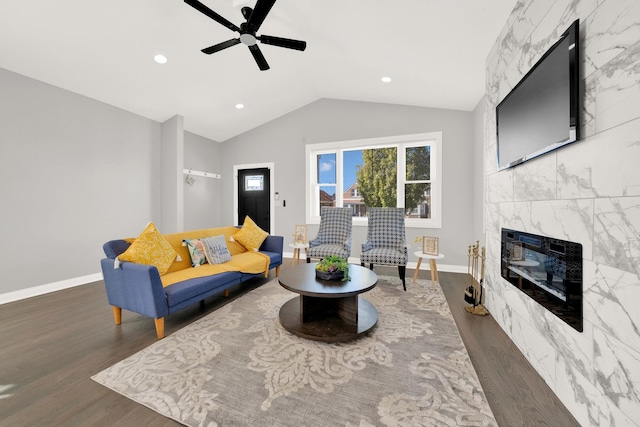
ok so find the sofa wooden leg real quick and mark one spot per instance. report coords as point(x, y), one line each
point(159, 327)
point(226, 292)
point(278, 271)
point(117, 314)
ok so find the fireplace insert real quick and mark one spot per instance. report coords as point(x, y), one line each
point(546, 269)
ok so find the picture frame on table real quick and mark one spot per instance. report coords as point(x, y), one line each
point(430, 245)
point(300, 234)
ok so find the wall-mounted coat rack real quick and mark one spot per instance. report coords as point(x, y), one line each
point(191, 173)
point(200, 173)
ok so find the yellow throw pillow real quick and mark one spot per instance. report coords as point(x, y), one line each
point(150, 248)
point(250, 235)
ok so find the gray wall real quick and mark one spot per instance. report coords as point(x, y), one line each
point(172, 155)
point(74, 173)
point(282, 141)
point(587, 192)
point(202, 205)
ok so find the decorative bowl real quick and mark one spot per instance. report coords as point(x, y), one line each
point(325, 275)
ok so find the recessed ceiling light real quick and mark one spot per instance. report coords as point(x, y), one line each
point(239, 106)
point(386, 79)
point(160, 59)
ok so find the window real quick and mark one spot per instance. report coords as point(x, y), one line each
point(403, 171)
point(253, 183)
point(326, 179)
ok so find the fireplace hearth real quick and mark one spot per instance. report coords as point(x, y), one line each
point(546, 269)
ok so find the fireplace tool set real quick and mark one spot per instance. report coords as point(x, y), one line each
point(474, 294)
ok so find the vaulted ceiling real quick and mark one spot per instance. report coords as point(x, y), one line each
point(434, 51)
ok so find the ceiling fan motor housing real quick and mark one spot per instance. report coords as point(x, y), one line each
point(247, 36)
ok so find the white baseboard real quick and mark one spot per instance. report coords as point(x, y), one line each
point(49, 287)
point(449, 268)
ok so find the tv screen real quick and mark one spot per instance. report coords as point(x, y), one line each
point(542, 112)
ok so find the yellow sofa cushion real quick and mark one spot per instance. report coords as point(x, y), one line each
point(250, 235)
point(246, 262)
point(151, 248)
point(181, 269)
point(175, 240)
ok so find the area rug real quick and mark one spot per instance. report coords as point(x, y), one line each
point(238, 367)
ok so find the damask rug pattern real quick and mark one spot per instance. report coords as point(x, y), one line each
point(238, 367)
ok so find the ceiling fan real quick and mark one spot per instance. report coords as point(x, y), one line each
point(247, 30)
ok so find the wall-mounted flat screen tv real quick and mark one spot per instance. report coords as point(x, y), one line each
point(542, 112)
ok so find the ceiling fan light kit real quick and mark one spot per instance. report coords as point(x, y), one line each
point(247, 30)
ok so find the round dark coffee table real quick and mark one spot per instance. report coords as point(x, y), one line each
point(327, 310)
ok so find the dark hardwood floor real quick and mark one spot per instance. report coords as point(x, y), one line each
point(52, 344)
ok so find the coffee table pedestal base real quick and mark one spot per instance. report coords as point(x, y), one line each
point(328, 319)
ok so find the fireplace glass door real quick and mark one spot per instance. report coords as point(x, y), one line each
point(548, 270)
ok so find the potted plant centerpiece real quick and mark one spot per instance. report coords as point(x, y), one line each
point(333, 268)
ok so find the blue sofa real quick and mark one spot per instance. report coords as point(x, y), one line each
point(141, 289)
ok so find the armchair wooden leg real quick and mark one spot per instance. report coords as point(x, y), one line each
point(278, 271)
point(159, 327)
point(117, 314)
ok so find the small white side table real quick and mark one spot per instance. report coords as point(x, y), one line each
point(434, 269)
point(296, 251)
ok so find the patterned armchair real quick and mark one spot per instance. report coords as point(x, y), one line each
point(334, 234)
point(386, 242)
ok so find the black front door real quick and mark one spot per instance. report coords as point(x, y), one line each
point(254, 189)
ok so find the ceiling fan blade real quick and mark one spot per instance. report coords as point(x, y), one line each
point(218, 47)
point(257, 55)
point(281, 42)
point(259, 13)
point(211, 14)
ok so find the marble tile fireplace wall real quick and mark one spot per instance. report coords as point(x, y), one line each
point(587, 192)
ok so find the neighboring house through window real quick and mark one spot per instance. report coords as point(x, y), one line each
point(403, 171)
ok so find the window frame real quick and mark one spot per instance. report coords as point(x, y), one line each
point(401, 142)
